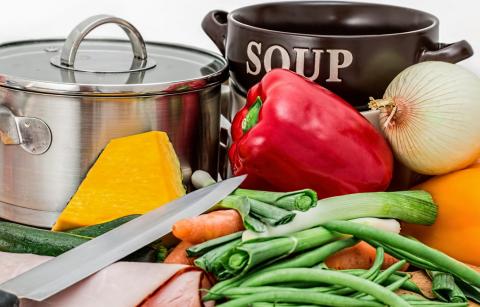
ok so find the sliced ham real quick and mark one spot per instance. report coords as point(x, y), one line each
point(180, 292)
point(121, 284)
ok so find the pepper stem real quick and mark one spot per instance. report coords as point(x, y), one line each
point(251, 119)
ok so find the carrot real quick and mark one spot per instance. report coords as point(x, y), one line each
point(208, 226)
point(359, 256)
point(179, 255)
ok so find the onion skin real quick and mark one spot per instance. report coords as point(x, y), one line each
point(435, 128)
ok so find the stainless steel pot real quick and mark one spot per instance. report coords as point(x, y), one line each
point(61, 104)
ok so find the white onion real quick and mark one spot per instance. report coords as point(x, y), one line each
point(430, 114)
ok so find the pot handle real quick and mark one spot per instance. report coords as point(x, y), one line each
point(76, 36)
point(225, 142)
point(215, 25)
point(31, 133)
point(451, 53)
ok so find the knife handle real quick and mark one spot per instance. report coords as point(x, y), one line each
point(8, 299)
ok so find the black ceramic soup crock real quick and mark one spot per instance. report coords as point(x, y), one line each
point(353, 49)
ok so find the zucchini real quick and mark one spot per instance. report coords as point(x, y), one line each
point(15, 238)
point(99, 229)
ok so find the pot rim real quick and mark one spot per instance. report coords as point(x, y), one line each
point(118, 90)
point(231, 17)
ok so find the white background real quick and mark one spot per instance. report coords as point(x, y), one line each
point(179, 20)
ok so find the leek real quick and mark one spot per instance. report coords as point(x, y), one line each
point(410, 206)
point(445, 288)
point(202, 248)
point(239, 259)
point(256, 215)
point(301, 200)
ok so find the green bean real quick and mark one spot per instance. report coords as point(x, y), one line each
point(369, 274)
point(321, 265)
point(377, 264)
point(409, 285)
point(313, 257)
point(301, 297)
point(241, 291)
point(437, 258)
point(384, 275)
point(307, 259)
point(265, 304)
point(330, 277)
point(397, 284)
point(393, 252)
point(436, 304)
point(392, 287)
point(417, 300)
point(413, 297)
point(302, 285)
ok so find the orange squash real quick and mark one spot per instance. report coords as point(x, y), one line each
point(133, 175)
point(456, 231)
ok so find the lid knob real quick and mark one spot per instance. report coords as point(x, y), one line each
point(72, 43)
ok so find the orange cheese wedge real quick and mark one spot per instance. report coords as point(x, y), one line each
point(133, 175)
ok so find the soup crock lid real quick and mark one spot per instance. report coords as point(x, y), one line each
point(107, 66)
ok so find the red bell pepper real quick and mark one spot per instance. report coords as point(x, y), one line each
point(294, 134)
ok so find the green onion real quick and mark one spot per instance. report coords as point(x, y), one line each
point(445, 288)
point(301, 297)
point(330, 277)
point(413, 247)
point(301, 200)
point(413, 207)
point(202, 248)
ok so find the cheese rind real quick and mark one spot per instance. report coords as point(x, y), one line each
point(132, 175)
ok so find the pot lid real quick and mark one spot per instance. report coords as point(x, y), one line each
point(78, 66)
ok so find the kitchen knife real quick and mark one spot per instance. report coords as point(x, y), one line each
point(74, 265)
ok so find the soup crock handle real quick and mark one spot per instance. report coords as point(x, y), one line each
point(31, 133)
point(215, 25)
point(451, 53)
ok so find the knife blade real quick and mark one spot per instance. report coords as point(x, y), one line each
point(76, 264)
